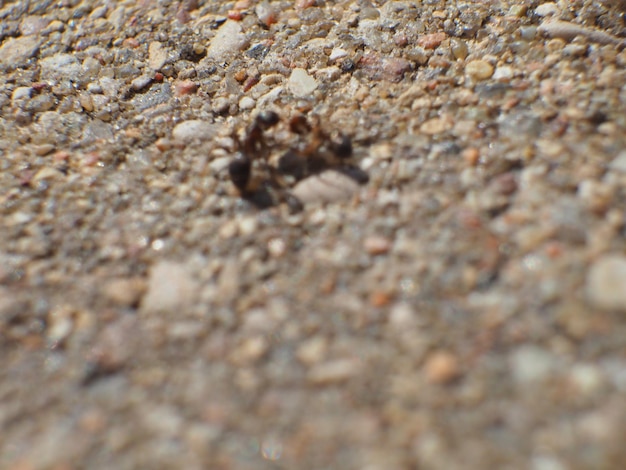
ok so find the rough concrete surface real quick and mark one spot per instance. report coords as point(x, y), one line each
point(421, 265)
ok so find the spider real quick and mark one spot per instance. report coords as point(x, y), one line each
point(264, 178)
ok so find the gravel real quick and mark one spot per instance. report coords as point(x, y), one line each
point(451, 295)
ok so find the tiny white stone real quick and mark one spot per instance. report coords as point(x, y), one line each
point(606, 283)
point(337, 53)
point(619, 163)
point(195, 129)
point(300, 83)
point(246, 103)
point(546, 9)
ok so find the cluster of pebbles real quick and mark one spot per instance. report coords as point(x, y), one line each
point(466, 308)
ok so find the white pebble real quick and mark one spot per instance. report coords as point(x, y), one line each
point(606, 283)
point(300, 83)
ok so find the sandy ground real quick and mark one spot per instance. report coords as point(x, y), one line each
point(452, 295)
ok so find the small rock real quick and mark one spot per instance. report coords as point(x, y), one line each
point(606, 283)
point(442, 367)
point(531, 364)
point(328, 74)
point(401, 315)
point(141, 82)
point(619, 163)
point(170, 288)
point(376, 245)
point(228, 41)
point(189, 131)
point(431, 41)
point(21, 93)
point(124, 292)
point(312, 351)
point(328, 186)
point(503, 73)
point(60, 65)
point(113, 347)
point(247, 103)
point(459, 49)
point(587, 379)
point(479, 69)
point(547, 9)
point(569, 31)
point(333, 372)
point(15, 51)
point(436, 126)
point(185, 87)
point(157, 55)
point(250, 351)
point(300, 83)
point(33, 25)
point(337, 53)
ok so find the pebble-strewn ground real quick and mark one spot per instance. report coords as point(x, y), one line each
point(464, 309)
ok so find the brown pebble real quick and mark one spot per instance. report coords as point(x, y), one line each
point(240, 75)
point(131, 42)
point(376, 245)
point(442, 367)
point(380, 298)
point(124, 292)
point(234, 15)
point(431, 41)
point(471, 156)
point(185, 87)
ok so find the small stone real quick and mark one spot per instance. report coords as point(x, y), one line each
point(228, 41)
point(441, 368)
point(91, 66)
point(333, 372)
point(328, 74)
point(376, 245)
point(328, 186)
point(587, 379)
point(44, 149)
point(606, 283)
point(157, 55)
point(547, 9)
point(459, 49)
point(337, 53)
point(503, 73)
point(619, 163)
point(250, 351)
point(436, 126)
point(300, 83)
point(113, 347)
point(401, 315)
point(124, 292)
point(531, 364)
point(185, 87)
point(189, 131)
point(247, 103)
point(170, 288)
point(65, 66)
point(86, 101)
point(266, 13)
point(141, 82)
point(21, 93)
point(312, 351)
point(568, 31)
point(479, 69)
point(431, 41)
point(32, 25)
point(15, 51)
point(47, 173)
